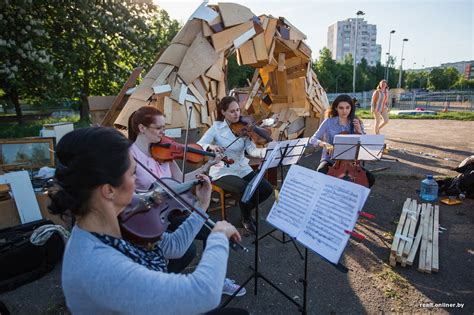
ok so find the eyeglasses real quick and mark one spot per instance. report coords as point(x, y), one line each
point(162, 128)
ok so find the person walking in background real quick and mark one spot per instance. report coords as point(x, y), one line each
point(379, 106)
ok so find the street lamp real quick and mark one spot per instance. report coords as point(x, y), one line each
point(355, 52)
point(399, 85)
point(388, 54)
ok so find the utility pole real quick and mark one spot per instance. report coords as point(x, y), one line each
point(388, 54)
point(399, 85)
point(355, 53)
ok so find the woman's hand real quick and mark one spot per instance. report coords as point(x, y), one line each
point(203, 191)
point(215, 160)
point(216, 148)
point(357, 127)
point(329, 147)
point(228, 229)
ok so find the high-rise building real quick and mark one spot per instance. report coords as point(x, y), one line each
point(341, 40)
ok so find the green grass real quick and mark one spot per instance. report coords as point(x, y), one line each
point(366, 114)
point(32, 129)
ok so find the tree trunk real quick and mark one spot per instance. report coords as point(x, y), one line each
point(84, 107)
point(13, 96)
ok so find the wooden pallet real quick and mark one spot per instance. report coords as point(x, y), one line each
point(417, 232)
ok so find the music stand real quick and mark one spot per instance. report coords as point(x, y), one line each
point(274, 157)
point(290, 152)
point(358, 147)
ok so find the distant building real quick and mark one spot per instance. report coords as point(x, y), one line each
point(460, 65)
point(341, 40)
point(469, 71)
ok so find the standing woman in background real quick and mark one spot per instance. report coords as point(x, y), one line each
point(379, 106)
point(235, 178)
point(102, 273)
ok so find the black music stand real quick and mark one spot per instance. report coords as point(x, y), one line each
point(302, 308)
point(291, 152)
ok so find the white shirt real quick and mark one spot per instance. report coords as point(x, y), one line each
point(221, 135)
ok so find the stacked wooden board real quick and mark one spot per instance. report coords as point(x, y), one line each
point(417, 232)
point(191, 72)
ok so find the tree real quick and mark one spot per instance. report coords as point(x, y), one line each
point(27, 66)
point(327, 70)
point(77, 48)
point(98, 43)
point(237, 75)
point(442, 79)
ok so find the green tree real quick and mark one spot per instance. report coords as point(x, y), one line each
point(98, 43)
point(237, 75)
point(26, 67)
point(442, 79)
point(327, 70)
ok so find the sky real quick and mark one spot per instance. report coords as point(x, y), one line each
point(438, 31)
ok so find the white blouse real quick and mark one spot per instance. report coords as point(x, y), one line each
point(220, 134)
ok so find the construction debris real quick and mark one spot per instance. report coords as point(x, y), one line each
point(418, 224)
point(191, 72)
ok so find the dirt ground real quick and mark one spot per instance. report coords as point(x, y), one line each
point(371, 285)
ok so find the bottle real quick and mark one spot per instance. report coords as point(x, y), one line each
point(429, 189)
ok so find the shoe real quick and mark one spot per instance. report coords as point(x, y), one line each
point(249, 225)
point(230, 287)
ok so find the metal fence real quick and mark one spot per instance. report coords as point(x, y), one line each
point(437, 101)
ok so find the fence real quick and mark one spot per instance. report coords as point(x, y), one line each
point(437, 101)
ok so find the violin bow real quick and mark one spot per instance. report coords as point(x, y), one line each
point(184, 203)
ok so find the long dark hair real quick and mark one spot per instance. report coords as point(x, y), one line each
point(224, 105)
point(144, 115)
point(88, 158)
point(332, 112)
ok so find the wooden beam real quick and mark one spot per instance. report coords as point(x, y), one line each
point(233, 14)
point(225, 39)
point(401, 221)
point(435, 265)
point(112, 113)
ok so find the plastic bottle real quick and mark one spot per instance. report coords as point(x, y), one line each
point(429, 189)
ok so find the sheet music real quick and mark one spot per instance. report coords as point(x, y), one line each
point(345, 147)
point(316, 209)
point(292, 155)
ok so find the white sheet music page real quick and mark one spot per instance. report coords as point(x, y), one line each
point(316, 209)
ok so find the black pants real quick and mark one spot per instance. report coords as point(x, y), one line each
point(237, 185)
point(324, 168)
point(179, 264)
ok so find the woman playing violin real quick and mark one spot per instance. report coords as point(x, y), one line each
point(102, 273)
point(145, 127)
point(341, 119)
point(220, 138)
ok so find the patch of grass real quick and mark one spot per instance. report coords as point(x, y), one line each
point(32, 129)
point(391, 293)
point(366, 114)
point(389, 274)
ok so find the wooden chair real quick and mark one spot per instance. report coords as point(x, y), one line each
point(222, 200)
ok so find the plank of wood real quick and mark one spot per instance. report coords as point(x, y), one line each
point(182, 93)
point(188, 33)
point(163, 75)
point(197, 94)
point(206, 13)
point(161, 89)
point(435, 262)
point(221, 90)
point(411, 231)
point(211, 105)
point(156, 70)
point(244, 38)
point(281, 62)
point(205, 119)
point(112, 113)
point(225, 39)
point(168, 110)
point(200, 87)
point(406, 227)
point(215, 71)
point(304, 49)
point(429, 244)
point(173, 55)
point(247, 53)
point(297, 34)
point(213, 88)
point(234, 14)
point(398, 231)
point(261, 52)
point(252, 94)
point(270, 32)
point(206, 30)
point(392, 260)
point(424, 239)
point(198, 58)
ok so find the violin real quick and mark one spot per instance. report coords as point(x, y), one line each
point(168, 150)
point(247, 127)
point(349, 170)
point(145, 219)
